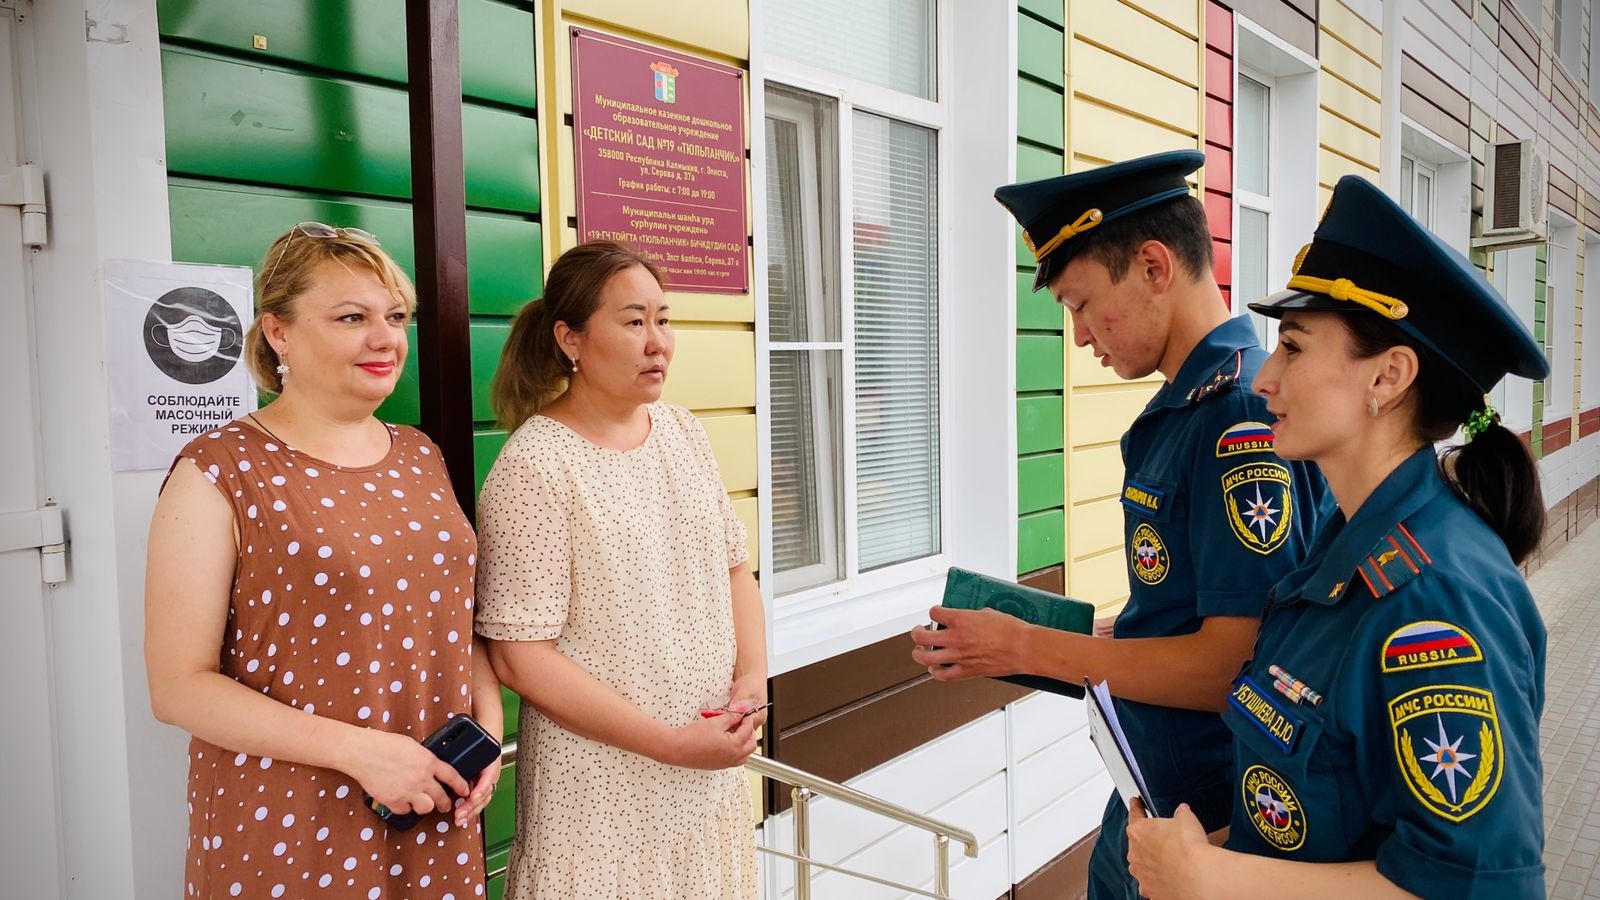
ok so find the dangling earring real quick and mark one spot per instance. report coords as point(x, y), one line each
point(574, 366)
point(283, 371)
point(1372, 407)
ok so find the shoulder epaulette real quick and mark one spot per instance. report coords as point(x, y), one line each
point(1224, 378)
point(1395, 560)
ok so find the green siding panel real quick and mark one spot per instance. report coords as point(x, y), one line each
point(404, 406)
point(1041, 114)
point(1041, 51)
point(235, 226)
point(363, 37)
point(1041, 540)
point(1039, 424)
point(1039, 362)
point(1034, 163)
point(485, 450)
point(238, 122)
point(1041, 482)
point(495, 861)
point(1049, 10)
point(487, 339)
point(500, 817)
point(1037, 310)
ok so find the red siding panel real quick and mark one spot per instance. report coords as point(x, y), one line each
point(1219, 27)
point(1219, 169)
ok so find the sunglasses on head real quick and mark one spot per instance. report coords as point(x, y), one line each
point(316, 230)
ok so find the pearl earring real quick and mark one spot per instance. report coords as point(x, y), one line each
point(574, 367)
point(1372, 406)
point(283, 371)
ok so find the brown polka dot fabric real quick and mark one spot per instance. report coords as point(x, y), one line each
point(352, 599)
point(622, 558)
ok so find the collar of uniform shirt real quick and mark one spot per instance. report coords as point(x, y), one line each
point(1214, 351)
point(1407, 489)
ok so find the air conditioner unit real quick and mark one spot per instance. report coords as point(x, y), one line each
point(1515, 210)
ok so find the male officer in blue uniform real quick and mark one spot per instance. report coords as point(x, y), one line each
point(1389, 721)
point(1211, 517)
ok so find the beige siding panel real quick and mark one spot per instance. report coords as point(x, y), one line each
point(1130, 33)
point(1348, 140)
point(1094, 473)
point(733, 440)
point(1091, 526)
point(1101, 416)
point(1339, 97)
point(713, 370)
point(1183, 15)
point(1351, 28)
point(1131, 86)
point(749, 513)
point(1107, 134)
point(1101, 580)
point(1339, 59)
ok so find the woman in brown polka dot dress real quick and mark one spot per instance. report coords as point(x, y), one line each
point(615, 590)
point(309, 607)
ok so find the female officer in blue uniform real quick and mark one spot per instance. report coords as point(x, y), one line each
point(1387, 730)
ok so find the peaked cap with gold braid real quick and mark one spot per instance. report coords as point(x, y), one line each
point(1369, 256)
point(1053, 211)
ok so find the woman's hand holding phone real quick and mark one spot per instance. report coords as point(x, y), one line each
point(401, 774)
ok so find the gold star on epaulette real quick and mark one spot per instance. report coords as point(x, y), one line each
point(1336, 589)
point(1387, 556)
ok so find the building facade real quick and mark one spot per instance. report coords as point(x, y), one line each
point(886, 397)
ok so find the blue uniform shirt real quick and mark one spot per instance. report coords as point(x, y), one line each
point(1392, 708)
point(1212, 520)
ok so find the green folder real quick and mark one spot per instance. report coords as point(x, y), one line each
point(971, 590)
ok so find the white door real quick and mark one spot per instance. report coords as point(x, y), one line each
point(30, 833)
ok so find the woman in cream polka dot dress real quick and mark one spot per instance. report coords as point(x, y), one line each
point(309, 607)
point(615, 593)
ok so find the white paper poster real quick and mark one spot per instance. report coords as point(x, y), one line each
point(174, 348)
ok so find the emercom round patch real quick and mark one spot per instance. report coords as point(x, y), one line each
point(1274, 809)
point(1147, 554)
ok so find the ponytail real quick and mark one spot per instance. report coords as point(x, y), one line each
point(532, 372)
point(1496, 476)
point(1493, 472)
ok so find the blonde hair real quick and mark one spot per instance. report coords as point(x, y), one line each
point(533, 370)
point(286, 273)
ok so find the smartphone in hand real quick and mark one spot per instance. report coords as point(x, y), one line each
point(463, 744)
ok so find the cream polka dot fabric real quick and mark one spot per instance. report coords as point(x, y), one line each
point(352, 600)
point(622, 558)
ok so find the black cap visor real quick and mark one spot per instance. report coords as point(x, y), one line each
point(1275, 305)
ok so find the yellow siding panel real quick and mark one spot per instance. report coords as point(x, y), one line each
point(1102, 416)
point(1136, 88)
point(1338, 59)
point(749, 512)
point(1083, 370)
point(1331, 167)
point(1130, 33)
point(1184, 15)
point(1352, 104)
point(1091, 526)
point(1101, 580)
point(1094, 473)
point(711, 307)
point(1107, 134)
point(1348, 140)
point(1337, 19)
point(721, 27)
point(733, 440)
point(713, 370)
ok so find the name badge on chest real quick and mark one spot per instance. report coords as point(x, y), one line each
point(1277, 721)
point(1142, 498)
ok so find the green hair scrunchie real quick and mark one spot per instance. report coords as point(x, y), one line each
point(1479, 422)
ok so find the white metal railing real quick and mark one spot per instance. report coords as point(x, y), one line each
point(803, 786)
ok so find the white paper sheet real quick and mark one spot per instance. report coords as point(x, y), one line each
point(1106, 733)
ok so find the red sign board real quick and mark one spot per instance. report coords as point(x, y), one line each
point(660, 153)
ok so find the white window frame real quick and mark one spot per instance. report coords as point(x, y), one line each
point(1560, 313)
point(1410, 184)
point(1261, 203)
point(818, 207)
point(1292, 75)
point(1450, 168)
point(851, 96)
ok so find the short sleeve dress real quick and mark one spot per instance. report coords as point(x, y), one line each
point(352, 599)
point(622, 558)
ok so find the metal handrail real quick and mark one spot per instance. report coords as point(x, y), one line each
point(803, 785)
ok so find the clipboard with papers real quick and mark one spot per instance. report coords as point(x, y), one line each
point(1108, 738)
